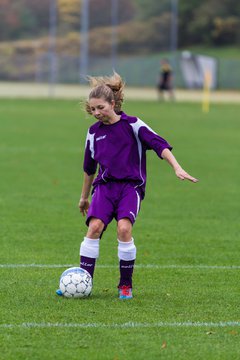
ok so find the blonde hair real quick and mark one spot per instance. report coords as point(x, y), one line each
point(108, 88)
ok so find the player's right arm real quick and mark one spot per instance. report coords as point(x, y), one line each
point(87, 184)
point(89, 168)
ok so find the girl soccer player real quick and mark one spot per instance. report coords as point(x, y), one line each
point(117, 144)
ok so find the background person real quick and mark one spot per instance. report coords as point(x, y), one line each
point(165, 83)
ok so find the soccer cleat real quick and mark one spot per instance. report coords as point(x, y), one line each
point(58, 292)
point(125, 292)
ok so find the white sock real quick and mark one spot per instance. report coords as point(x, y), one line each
point(126, 250)
point(90, 248)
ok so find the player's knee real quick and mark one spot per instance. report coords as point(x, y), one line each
point(95, 228)
point(124, 230)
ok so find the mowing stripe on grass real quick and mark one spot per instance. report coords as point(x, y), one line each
point(124, 325)
point(147, 266)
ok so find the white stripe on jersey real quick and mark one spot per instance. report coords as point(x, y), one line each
point(103, 173)
point(90, 137)
point(136, 126)
point(139, 123)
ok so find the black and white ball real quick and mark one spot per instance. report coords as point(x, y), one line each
point(75, 282)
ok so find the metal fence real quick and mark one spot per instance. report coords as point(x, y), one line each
point(136, 70)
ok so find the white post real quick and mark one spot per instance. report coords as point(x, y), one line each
point(114, 42)
point(83, 57)
point(52, 46)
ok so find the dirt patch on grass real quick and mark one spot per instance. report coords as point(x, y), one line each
point(59, 91)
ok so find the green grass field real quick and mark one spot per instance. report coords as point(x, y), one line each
point(186, 282)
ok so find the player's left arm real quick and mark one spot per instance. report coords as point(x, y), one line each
point(180, 173)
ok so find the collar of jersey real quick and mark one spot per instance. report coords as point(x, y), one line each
point(123, 117)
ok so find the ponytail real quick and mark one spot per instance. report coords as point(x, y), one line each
point(107, 87)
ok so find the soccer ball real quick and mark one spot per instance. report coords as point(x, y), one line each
point(75, 282)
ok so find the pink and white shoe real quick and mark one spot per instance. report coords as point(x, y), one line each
point(125, 292)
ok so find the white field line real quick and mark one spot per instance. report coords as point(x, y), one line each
point(140, 266)
point(189, 324)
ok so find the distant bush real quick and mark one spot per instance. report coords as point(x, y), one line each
point(226, 30)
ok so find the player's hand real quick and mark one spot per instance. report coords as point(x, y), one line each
point(83, 206)
point(182, 175)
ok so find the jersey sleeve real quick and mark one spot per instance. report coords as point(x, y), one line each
point(152, 140)
point(89, 163)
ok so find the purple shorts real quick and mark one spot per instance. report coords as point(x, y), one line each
point(114, 200)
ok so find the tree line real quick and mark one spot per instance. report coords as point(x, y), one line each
point(143, 24)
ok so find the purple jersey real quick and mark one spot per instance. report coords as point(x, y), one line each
point(120, 151)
